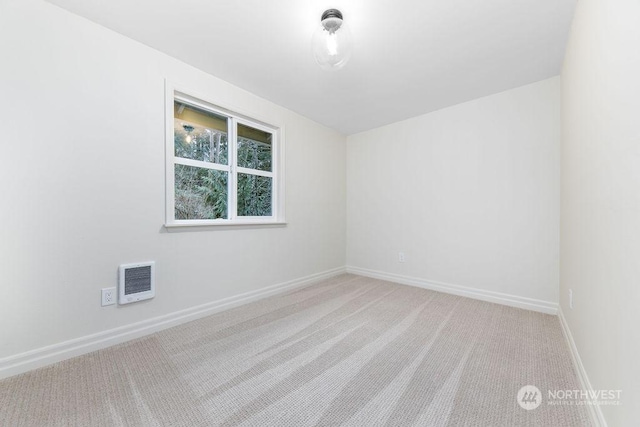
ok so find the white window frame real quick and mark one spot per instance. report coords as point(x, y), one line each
point(234, 118)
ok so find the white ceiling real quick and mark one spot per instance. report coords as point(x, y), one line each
point(410, 56)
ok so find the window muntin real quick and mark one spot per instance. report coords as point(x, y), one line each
point(223, 167)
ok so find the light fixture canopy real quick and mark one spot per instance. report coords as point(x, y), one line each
point(331, 43)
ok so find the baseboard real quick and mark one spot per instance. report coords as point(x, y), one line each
point(547, 307)
point(14, 365)
point(597, 417)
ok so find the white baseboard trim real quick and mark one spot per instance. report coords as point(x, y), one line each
point(597, 417)
point(14, 365)
point(547, 307)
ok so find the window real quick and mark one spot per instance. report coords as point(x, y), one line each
point(222, 168)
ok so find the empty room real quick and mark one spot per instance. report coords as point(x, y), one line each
point(320, 213)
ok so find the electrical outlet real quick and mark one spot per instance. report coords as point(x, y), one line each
point(108, 296)
point(571, 299)
point(401, 257)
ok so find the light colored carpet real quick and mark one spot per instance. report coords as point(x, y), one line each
point(350, 351)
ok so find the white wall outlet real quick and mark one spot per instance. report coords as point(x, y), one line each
point(109, 296)
point(401, 257)
point(571, 299)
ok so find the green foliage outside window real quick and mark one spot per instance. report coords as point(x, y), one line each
point(202, 193)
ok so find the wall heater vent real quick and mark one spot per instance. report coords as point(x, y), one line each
point(136, 282)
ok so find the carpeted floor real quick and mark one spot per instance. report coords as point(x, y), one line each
point(350, 351)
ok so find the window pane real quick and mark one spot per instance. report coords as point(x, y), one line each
point(200, 193)
point(199, 134)
point(254, 195)
point(254, 148)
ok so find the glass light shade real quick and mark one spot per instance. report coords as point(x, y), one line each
point(331, 43)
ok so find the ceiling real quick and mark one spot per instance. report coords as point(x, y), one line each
point(410, 57)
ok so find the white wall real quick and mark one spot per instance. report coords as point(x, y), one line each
point(82, 184)
point(600, 240)
point(470, 194)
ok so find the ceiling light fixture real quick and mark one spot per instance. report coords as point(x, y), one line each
point(331, 41)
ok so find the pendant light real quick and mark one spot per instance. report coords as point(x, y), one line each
point(331, 41)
